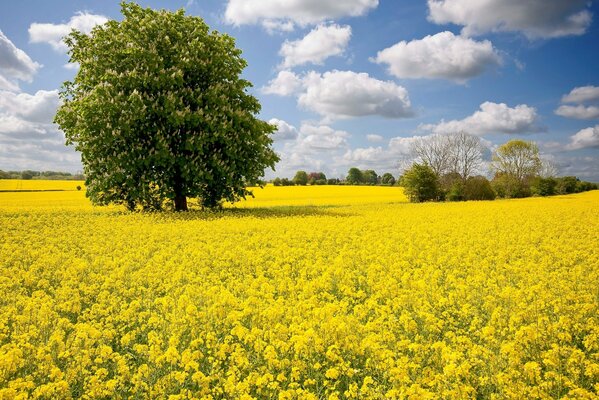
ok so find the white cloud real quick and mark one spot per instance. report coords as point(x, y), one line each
point(5, 84)
point(274, 13)
point(321, 137)
point(313, 149)
point(585, 138)
point(53, 34)
point(38, 108)
point(374, 138)
point(492, 118)
point(345, 94)
point(443, 55)
point(319, 44)
point(284, 130)
point(15, 64)
point(582, 94)
point(382, 159)
point(28, 138)
point(578, 112)
point(534, 18)
point(285, 84)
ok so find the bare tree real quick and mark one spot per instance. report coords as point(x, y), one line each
point(434, 151)
point(466, 154)
point(458, 152)
point(548, 169)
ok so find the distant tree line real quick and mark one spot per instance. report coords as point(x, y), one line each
point(446, 170)
point(355, 176)
point(46, 175)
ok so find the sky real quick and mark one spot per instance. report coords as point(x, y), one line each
point(348, 83)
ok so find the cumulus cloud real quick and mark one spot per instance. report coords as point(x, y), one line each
point(345, 94)
point(585, 138)
point(578, 112)
point(14, 64)
point(28, 138)
point(321, 137)
point(534, 18)
point(284, 130)
point(53, 34)
point(273, 14)
point(582, 94)
point(390, 158)
point(313, 149)
point(318, 45)
point(285, 84)
point(492, 118)
point(38, 108)
point(374, 138)
point(443, 55)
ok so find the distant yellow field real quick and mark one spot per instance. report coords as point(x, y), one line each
point(302, 293)
point(31, 184)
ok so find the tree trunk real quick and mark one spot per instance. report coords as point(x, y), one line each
point(180, 203)
point(180, 198)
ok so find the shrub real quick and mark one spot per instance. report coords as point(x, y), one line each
point(300, 178)
point(543, 186)
point(478, 188)
point(420, 183)
point(388, 179)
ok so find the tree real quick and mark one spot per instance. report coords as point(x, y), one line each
point(354, 176)
point(567, 184)
point(518, 159)
point(543, 186)
point(158, 111)
point(370, 177)
point(478, 188)
point(317, 178)
point(420, 183)
point(388, 179)
point(276, 181)
point(465, 154)
point(300, 178)
point(27, 175)
point(434, 151)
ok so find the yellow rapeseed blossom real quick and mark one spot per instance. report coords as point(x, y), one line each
point(325, 292)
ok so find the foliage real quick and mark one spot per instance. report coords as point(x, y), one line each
point(370, 177)
point(567, 184)
point(300, 178)
point(332, 181)
point(388, 179)
point(354, 176)
point(317, 178)
point(543, 186)
point(446, 301)
point(478, 188)
point(26, 175)
point(276, 181)
point(420, 183)
point(517, 159)
point(159, 111)
point(508, 186)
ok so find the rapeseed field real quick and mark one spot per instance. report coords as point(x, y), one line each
point(301, 293)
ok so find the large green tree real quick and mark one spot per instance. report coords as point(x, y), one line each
point(158, 111)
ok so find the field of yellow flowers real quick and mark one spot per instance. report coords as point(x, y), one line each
point(300, 293)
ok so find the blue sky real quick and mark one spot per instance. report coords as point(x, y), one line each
point(349, 83)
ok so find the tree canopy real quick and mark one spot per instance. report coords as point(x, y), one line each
point(158, 111)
